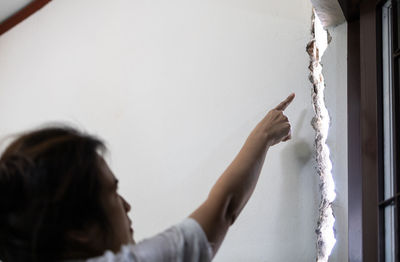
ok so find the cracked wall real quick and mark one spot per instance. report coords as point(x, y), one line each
point(332, 225)
point(175, 88)
point(321, 122)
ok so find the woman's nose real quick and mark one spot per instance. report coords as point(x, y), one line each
point(126, 205)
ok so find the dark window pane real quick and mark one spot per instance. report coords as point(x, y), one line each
point(396, 124)
point(396, 24)
point(397, 230)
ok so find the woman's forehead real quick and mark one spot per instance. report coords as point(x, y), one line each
point(108, 178)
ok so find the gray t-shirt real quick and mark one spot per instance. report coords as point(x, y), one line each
point(184, 242)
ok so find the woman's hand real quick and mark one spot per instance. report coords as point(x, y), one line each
point(275, 126)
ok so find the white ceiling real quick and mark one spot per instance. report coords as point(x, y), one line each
point(9, 7)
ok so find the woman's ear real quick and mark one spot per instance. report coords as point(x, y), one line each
point(85, 243)
point(88, 235)
point(78, 236)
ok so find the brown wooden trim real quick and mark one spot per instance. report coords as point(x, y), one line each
point(22, 15)
point(369, 129)
point(364, 146)
point(354, 143)
point(381, 214)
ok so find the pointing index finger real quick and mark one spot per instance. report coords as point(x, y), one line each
point(285, 103)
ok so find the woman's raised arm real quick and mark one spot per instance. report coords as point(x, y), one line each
point(235, 186)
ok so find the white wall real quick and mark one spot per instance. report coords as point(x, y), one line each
point(175, 87)
point(335, 71)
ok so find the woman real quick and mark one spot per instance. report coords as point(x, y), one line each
point(59, 200)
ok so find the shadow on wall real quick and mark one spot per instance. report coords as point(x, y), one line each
point(298, 199)
point(299, 151)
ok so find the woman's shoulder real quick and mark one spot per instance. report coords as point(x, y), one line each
point(185, 241)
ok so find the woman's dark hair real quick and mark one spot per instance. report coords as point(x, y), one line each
point(49, 184)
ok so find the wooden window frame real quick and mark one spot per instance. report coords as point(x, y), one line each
point(392, 199)
point(365, 129)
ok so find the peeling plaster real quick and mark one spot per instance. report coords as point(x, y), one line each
point(321, 121)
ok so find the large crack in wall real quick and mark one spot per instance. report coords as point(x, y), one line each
point(325, 226)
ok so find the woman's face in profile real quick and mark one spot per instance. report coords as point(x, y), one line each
point(116, 209)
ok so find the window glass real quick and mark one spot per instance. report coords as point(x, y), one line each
point(390, 82)
point(389, 233)
point(387, 102)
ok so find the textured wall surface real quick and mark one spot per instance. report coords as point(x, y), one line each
point(329, 12)
point(175, 88)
